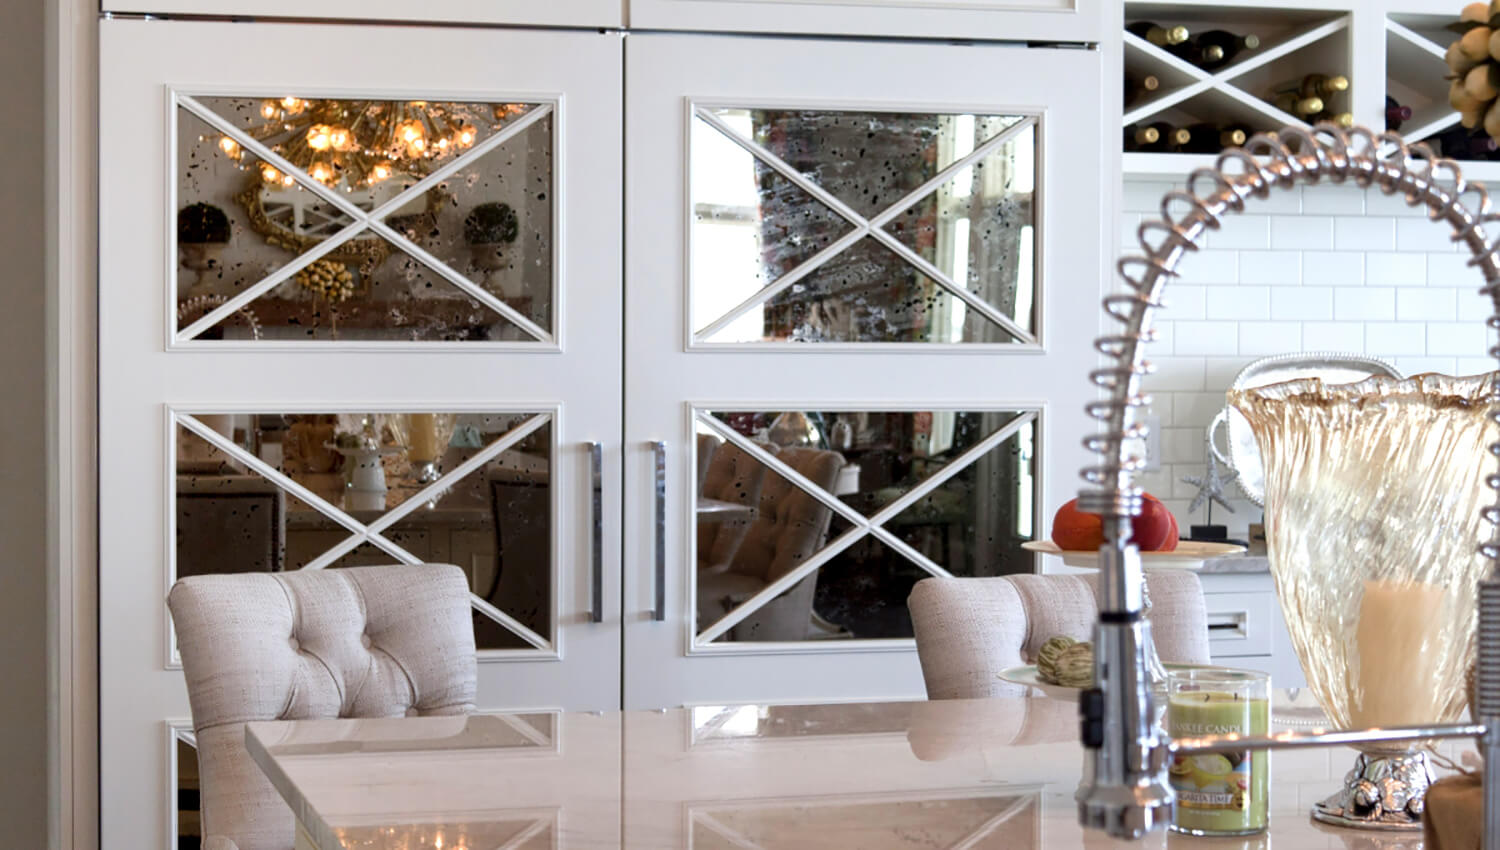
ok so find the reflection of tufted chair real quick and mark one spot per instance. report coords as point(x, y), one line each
point(708, 446)
point(788, 528)
point(732, 476)
point(970, 629)
point(358, 642)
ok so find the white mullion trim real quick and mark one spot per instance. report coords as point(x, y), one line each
point(983, 831)
point(775, 588)
point(947, 174)
point(525, 835)
point(803, 269)
point(782, 168)
point(521, 631)
point(270, 473)
point(422, 186)
point(467, 286)
point(725, 832)
point(957, 465)
point(780, 467)
point(524, 729)
point(943, 280)
point(911, 552)
point(339, 550)
point(480, 458)
point(274, 279)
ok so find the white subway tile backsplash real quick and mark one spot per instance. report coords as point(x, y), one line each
point(1240, 303)
point(1461, 339)
point(1419, 234)
point(1379, 203)
point(1302, 303)
point(1128, 224)
point(1333, 268)
point(1175, 374)
point(1247, 231)
point(1205, 338)
point(1144, 196)
point(1272, 268)
point(1426, 305)
point(1451, 270)
point(1388, 339)
point(1364, 304)
point(1385, 269)
point(1184, 301)
point(1209, 267)
point(1359, 233)
point(1333, 336)
point(1196, 409)
point(1262, 338)
point(1182, 445)
point(1301, 232)
point(1163, 343)
point(1330, 200)
point(1220, 372)
point(1418, 365)
point(1475, 365)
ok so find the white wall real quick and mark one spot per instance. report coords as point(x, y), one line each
point(1326, 268)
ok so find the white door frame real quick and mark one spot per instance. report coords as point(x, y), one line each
point(1063, 88)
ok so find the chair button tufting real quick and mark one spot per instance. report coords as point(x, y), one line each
point(292, 642)
point(364, 641)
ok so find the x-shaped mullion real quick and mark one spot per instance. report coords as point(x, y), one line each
point(873, 524)
point(873, 226)
point(362, 220)
point(371, 533)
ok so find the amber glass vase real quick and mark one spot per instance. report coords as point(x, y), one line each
point(1373, 499)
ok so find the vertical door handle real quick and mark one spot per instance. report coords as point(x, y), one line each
point(596, 507)
point(659, 455)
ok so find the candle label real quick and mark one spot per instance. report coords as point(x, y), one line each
point(1212, 781)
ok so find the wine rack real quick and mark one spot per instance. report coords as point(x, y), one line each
point(1383, 47)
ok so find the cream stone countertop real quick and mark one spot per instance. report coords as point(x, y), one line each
point(997, 773)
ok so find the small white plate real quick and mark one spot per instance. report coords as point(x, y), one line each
point(1189, 554)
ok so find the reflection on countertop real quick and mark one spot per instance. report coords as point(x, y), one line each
point(1237, 564)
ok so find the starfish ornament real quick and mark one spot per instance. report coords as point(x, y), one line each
point(1210, 486)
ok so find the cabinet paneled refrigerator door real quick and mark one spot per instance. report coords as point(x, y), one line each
point(1000, 20)
point(859, 336)
point(356, 284)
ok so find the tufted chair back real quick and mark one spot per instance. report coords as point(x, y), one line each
point(358, 642)
point(970, 629)
point(732, 476)
point(789, 523)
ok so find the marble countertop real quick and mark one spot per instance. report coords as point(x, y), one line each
point(995, 773)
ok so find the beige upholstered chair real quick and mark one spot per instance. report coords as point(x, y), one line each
point(358, 642)
point(789, 526)
point(734, 476)
point(969, 629)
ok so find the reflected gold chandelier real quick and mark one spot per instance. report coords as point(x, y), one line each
point(358, 143)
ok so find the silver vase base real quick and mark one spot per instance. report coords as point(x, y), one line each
point(1384, 791)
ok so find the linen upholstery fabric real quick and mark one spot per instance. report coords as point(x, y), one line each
point(970, 629)
point(732, 476)
point(789, 526)
point(359, 642)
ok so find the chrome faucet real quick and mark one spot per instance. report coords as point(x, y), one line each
point(1126, 792)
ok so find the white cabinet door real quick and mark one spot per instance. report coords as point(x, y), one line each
point(315, 235)
point(861, 289)
point(557, 13)
point(1000, 20)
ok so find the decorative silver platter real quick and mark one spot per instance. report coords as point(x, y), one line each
point(1332, 367)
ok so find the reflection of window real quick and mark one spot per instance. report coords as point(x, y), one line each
point(726, 229)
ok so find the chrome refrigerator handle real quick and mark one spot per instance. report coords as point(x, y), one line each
point(659, 479)
point(1126, 792)
point(596, 554)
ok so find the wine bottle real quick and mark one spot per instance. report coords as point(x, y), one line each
point(1207, 138)
point(1395, 114)
point(1298, 105)
point(1231, 45)
point(1203, 57)
point(1157, 35)
point(1137, 87)
point(1342, 119)
point(1314, 85)
point(1141, 138)
point(1458, 143)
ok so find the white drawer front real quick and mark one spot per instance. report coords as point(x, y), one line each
point(1240, 624)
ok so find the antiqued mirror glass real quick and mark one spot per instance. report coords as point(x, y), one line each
point(314, 491)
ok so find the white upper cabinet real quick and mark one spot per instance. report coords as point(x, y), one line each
point(559, 13)
point(1007, 20)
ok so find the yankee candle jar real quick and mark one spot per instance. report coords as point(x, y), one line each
point(1219, 793)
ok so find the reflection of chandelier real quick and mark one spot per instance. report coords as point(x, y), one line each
point(360, 142)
